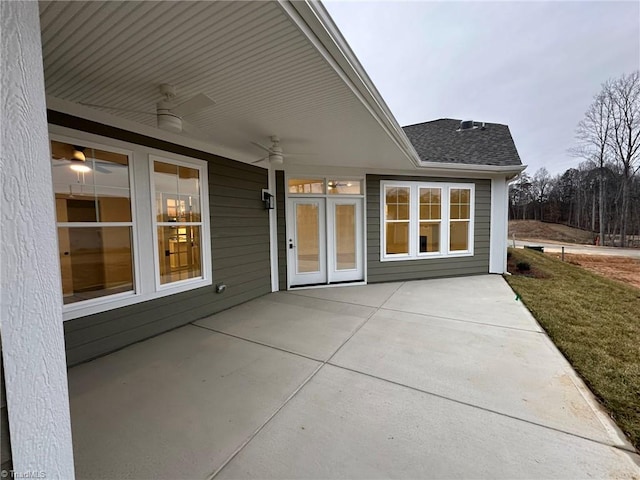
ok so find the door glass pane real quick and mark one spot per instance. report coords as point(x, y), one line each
point(397, 237)
point(95, 262)
point(305, 185)
point(459, 236)
point(344, 187)
point(429, 240)
point(307, 238)
point(345, 237)
point(179, 252)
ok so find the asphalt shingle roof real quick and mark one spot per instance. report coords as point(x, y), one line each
point(440, 141)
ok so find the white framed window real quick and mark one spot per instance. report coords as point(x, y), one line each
point(426, 220)
point(179, 193)
point(133, 222)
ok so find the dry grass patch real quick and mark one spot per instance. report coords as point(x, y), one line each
point(595, 322)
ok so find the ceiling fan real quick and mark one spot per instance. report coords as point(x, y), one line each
point(275, 154)
point(169, 114)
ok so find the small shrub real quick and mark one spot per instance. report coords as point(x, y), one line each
point(509, 255)
point(523, 266)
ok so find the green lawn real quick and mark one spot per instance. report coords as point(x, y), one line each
point(595, 322)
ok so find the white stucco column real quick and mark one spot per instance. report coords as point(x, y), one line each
point(499, 225)
point(31, 303)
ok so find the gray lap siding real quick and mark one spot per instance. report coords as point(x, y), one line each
point(240, 255)
point(378, 271)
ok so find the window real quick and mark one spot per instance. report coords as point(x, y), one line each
point(426, 220)
point(396, 214)
point(460, 217)
point(430, 219)
point(128, 231)
point(178, 221)
point(320, 186)
point(95, 226)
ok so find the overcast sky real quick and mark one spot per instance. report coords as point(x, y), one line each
point(532, 65)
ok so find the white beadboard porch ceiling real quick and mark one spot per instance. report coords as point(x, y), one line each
point(265, 75)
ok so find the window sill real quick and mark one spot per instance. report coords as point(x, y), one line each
point(112, 302)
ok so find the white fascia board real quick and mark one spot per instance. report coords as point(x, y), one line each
point(104, 118)
point(466, 168)
point(313, 20)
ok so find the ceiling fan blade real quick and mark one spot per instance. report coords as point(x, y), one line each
point(299, 154)
point(268, 150)
point(261, 160)
point(101, 169)
point(193, 105)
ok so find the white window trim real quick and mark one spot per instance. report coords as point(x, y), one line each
point(143, 258)
point(414, 221)
point(205, 240)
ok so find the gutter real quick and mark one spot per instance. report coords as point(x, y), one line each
point(510, 170)
point(316, 24)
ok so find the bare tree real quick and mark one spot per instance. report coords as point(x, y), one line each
point(594, 135)
point(541, 184)
point(624, 94)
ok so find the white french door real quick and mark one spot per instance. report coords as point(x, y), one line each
point(306, 244)
point(325, 240)
point(344, 239)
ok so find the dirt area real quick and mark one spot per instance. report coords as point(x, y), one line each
point(555, 232)
point(623, 269)
point(531, 270)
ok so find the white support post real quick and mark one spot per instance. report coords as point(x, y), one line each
point(499, 225)
point(31, 306)
point(273, 231)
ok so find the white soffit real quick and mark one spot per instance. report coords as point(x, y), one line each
point(259, 66)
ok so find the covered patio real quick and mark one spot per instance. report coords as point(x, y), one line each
point(428, 379)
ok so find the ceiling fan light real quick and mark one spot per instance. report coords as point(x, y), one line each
point(168, 121)
point(78, 154)
point(80, 167)
point(276, 158)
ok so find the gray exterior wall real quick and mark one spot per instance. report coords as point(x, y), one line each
point(240, 255)
point(378, 271)
point(282, 230)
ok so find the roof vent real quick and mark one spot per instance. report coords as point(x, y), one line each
point(470, 125)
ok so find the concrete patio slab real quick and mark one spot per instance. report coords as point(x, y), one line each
point(303, 325)
point(345, 425)
point(177, 405)
point(484, 299)
point(373, 295)
point(515, 372)
point(405, 395)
